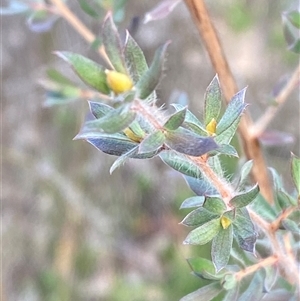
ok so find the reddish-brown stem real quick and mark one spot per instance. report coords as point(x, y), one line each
point(213, 46)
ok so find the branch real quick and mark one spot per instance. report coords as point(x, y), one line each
point(229, 87)
point(261, 124)
point(67, 14)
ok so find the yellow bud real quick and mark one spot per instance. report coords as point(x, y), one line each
point(211, 127)
point(225, 222)
point(118, 82)
point(131, 135)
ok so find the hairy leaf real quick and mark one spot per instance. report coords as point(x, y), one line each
point(244, 173)
point(200, 186)
point(90, 72)
point(204, 233)
point(151, 78)
point(245, 198)
point(206, 293)
point(99, 109)
point(212, 101)
point(152, 142)
point(198, 217)
point(226, 136)
point(221, 247)
point(175, 120)
point(214, 205)
point(194, 201)
point(263, 208)
point(225, 149)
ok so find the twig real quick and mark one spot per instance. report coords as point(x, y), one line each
point(253, 268)
point(250, 144)
point(67, 14)
point(261, 124)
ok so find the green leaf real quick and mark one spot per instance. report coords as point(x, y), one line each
point(285, 200)
point(296, 172)
point(245, 171)
point(180, 163)
point(230, 283)
point(234, 110)
point(134, 59)
point(112, 44)
point(113, 122)
point(254, 289)
point(194, 201)
point(201, 186)
point(112, 144)
point(58, 77)
point(90, 10)
point(212, 101)
point(245, 198)
point(214, 205)
point(243, 230)
point(175, 120)
point(294, 17)
point(263, 208)
point(63, 95)
point(152, 142)
point(204, 268)
point(221, 247)
point(204, 233)
point(90, 72)
point(226, 136)
point(191, 121)
point(186, 142)
point(198, 217)
point(151, 78)
point(206, 293)
point(291, 226)
point(225, 149)
point(121, 160)
point(99, 109)
point(291, 34)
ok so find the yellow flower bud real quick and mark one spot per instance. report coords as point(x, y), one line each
point(131, 135)
point(211, 127)
point(225, 222)
point(118, 82)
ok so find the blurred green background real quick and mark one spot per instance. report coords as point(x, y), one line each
point(71, 231)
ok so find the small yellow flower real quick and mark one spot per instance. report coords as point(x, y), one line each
point(211, 127)
point(225, 222)
point(118, 82)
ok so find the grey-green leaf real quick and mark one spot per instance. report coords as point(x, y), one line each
point(201, 186)
point(150, 80)
point(291, 226)
point(212, 101)
point(206, 293)
point(152, 142)
point(99, 109)
point(221, 247)
point(245, 171)
point(134, 59)
point(186, 142)
point(90, 72)
point(296, 172)
point(204, 233)
point(226, 136)
point(245, 198)
point(198, 217)
point(112, 44)
point(175, 120)
point(233, 111)
point(214, 205)
point(194, 201)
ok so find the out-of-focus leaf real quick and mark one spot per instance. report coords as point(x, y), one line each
point(112, 44)
point(204, 233)
point(198, 217)
point(91, 10)
point(186, 142)
point(180, 163)
point(152, 142)
point(90, 72)
point(263, 208)
point(291, 226)
point(225, 149)
point(270, 277)
point(286, 200)
point(214, 205)
point(294, 17)
point(232, 294)
point(175, 120)
point(229, 282)
point(194, 201)
point(151, 78)
point(212, 101)
point(64, 95)
point(206, 293)
point(113, 122)
point(280, 294)
point(245, 198)
point(41, 21)
point(200, 186)
point(204, 268)
point(134, 59)
point(291, 34)
point(113, 144)
point(99, 109)
point(296, 172)
point(221, 247)
point(58, 77)
point(160, 11)
point(14, 7)
point(244, 173)
point(243, 230)
point(233, 111)
point(254, 289)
